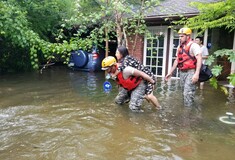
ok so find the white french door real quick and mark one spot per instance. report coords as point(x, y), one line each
point(174, 42)
point(155, 50)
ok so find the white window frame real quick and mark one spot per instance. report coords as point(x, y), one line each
point(157, 29)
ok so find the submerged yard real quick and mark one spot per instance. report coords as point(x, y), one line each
point(63, 114)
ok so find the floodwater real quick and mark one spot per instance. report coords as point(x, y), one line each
point(65, 115)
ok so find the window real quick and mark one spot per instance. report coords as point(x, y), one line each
point(155, 50)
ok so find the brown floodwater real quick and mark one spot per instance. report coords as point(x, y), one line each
point(65, 115)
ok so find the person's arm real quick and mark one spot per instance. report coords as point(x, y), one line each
point(130, 71)
point(145, 76)
point(197, 52)
point(199, 63)
point(174, 66)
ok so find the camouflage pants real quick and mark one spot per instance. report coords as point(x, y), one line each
point(188, 87)
point(136, 97)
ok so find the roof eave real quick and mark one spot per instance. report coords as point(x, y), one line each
point(172, 16)
point(166, 19)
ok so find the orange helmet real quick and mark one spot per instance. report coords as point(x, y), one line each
point(186, 31)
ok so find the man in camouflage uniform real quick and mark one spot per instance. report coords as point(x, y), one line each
point(189, 61)
point(133, 83)
point(124, 60)
point(134, 97)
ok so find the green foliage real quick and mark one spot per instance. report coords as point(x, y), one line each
point(214, 82)
point(16, 30)
point(231, 78)
point(110, 15)
point(226, 52)
point(46, 16)
point(230, 54)
point(31, 24)
point(216, 70)
point(224, 89)
point(210, 60)
point(212, 15)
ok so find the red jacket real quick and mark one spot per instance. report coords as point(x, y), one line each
point(185, 61)
point(129, 83)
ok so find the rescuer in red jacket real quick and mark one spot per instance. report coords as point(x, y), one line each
point(189, 61)
point(133, 83)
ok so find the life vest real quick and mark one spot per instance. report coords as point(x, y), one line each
point(185, 60)
point(129, 83)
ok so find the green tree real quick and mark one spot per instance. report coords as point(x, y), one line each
point(212, 15)
point(215, 15)
point(20, 30)
point(119, 18)
point(46, 16)
point(28, 23)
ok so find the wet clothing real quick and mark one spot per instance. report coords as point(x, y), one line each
point(188, 88)
point(188, 71)
point(135, 95)
point(130, 83)
point(194, 48)
point(185, 61)
point(133, 62)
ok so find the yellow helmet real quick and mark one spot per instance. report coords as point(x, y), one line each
point(107, 62)
point(186, 31)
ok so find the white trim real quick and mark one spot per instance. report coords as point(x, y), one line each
point(165, 52)
point(145, 50)
point(157, 29)
point(171, 48)
point(205, 37)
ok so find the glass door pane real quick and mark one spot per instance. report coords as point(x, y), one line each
point(155, 47)
point(175, 40)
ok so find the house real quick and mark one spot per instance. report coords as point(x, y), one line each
point(159, 53)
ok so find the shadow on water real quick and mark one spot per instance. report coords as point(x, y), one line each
point(62, 114)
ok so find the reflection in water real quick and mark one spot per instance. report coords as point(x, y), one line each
point(66, 115)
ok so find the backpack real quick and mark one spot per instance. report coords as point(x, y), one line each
point(205, 72)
